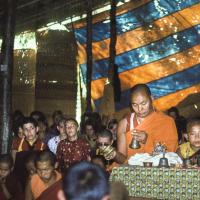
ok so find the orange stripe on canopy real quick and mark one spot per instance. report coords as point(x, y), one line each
point(106, 14)
point(97, 88)
point(161, 68)
point(168, 101)
point(152, 71)
point(144, 35)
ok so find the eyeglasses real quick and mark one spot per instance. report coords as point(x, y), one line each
point(102, 144)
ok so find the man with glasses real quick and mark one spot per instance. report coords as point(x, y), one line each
point(105, 147)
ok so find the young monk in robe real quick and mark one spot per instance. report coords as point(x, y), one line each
point(30, 164)
point(9, 186)
point(22, 147)
point(47, 182)
point(191, 149)
point(146, 125)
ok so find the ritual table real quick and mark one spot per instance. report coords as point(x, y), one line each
point(159, 183)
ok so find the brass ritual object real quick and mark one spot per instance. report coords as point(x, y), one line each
point(106, 150)
point(148, 164)
point(187, 162)
point(198, 161)
point(163, 162)
point(134, 144)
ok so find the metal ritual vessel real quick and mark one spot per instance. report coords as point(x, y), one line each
point(198, 161)
point(187, 162)
point(134, 144)
point(163, 162)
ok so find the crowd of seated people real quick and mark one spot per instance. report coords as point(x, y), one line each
point(42, 156)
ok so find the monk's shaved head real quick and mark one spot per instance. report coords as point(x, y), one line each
point(141, 100)
point(46, 156)
point(141, 88)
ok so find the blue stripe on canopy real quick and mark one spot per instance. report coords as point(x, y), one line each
point(140, 16)
point(149, 53)
point(167, 85)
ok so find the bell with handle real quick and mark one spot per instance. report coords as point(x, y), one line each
point(134, 144)
point(163, 162)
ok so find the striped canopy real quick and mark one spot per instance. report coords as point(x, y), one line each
point(158, 43)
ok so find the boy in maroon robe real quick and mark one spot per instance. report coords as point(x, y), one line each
point(47, 181)
point(9, 186)
point(23, 147)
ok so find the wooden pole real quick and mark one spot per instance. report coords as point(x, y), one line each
point(107, 107)
point(113, 39)
point(6, 74)
point(89, 55)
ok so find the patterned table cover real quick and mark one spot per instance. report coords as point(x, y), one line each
point(160, 183)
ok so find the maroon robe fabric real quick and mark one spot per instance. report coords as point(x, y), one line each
point(13, 187)
point(51, 192)
point(26, 149)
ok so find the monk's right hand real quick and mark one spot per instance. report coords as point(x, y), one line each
point(140, 136)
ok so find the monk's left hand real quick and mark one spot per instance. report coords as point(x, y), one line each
point(140, 136)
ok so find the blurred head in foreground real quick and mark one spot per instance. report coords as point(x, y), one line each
point(85, 181)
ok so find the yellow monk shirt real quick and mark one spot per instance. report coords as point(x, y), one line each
point(186, 150)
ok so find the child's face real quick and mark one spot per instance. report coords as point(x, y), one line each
point(30, 167)
point(71, 129)
point(42, 127)
point(45, 170)
point(194, 136)
point(89, 130)
point(30, 131)
point(114, 129)
point(61, 128)
point(4, 170)
point(20, 132)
